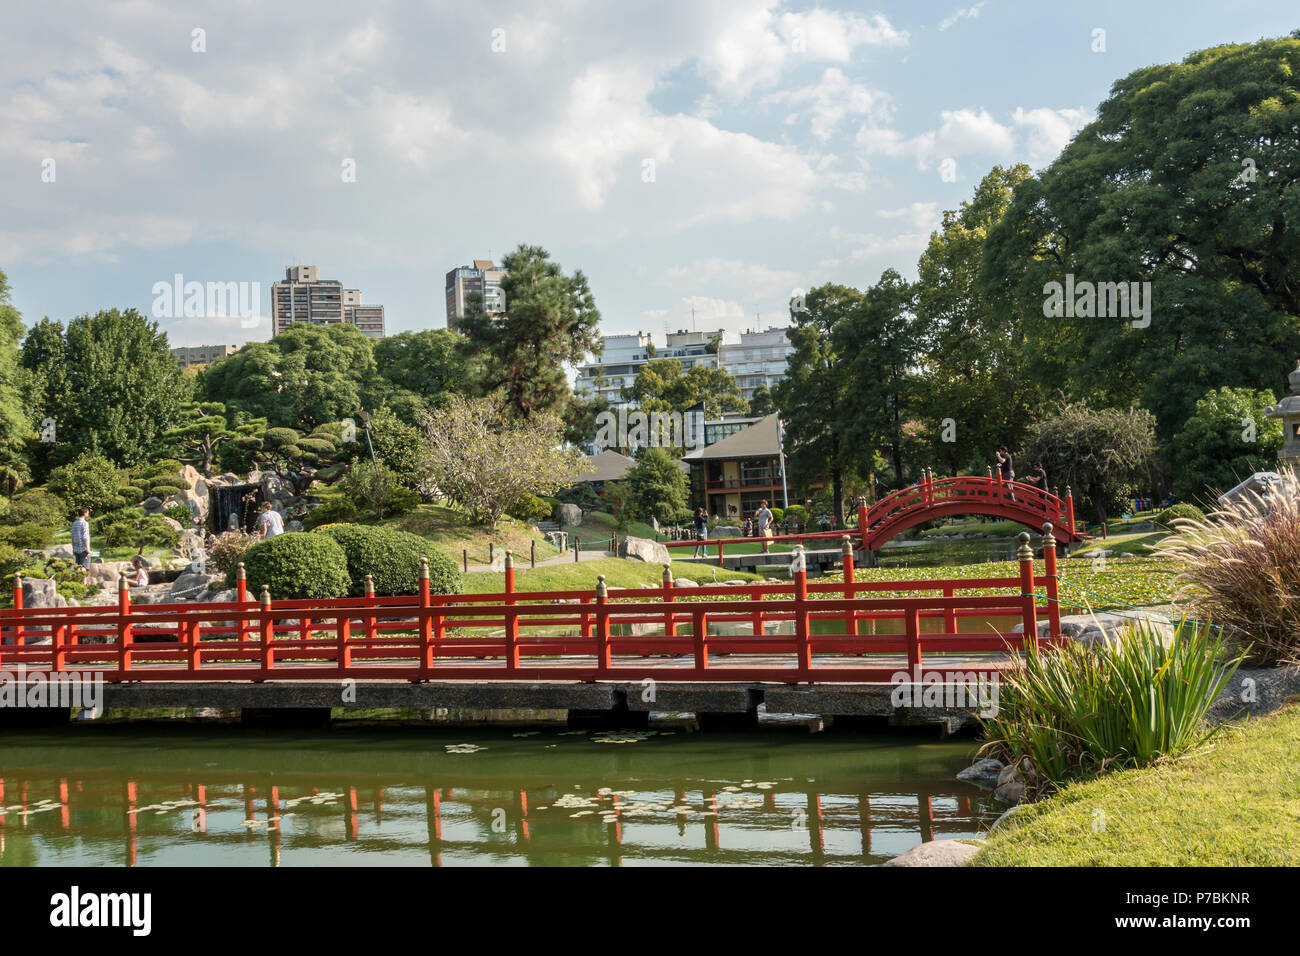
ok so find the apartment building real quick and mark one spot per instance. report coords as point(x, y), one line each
point(202, 354)
point(624, 356)
point(304, 296)
point(482, 279)
point(759, 358)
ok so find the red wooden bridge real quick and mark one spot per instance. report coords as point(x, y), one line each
point(821, 632)
point(935, 498)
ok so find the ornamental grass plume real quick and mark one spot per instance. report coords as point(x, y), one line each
point(1242, 571)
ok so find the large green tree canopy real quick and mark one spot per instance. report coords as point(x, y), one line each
point(1187, 180)
point(420, 370)
point(550, 320)
point(662, 386)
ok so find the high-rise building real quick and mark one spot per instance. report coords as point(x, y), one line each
point(304, 296)
point(482, 279)
point(624, 355)
point(759, 358)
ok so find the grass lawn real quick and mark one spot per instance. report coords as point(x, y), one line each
point(449, 530)
point(1234, 803)
point(619, 573)
point(598, 528)
point(1140, 543)
point(1138, 582)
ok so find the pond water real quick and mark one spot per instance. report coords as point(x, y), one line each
point(160, 794)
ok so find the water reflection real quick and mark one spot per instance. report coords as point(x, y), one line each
point(552, 798)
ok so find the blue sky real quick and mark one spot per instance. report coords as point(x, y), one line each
point(791, 144)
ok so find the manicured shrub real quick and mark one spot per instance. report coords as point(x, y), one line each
point(134, 492)
point(402, 502)
point(164, 468)
point(180, 513)
point(1080, 710)
point(530, 508)
point(38, 506)
point(295, 566)
point(26, 535)
point(392, 559)
point(227, 550)
point(338, 510)
point(165, 491)
point(1181, 510)
point(132, 527)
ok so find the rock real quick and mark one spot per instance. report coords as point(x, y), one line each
point(219, 597)
point(151, 594)
point(275, 485)
point(191, 586)
point(106, 573)
point(152, 504)
point(42, 592)
point(725, 531)
point(172, 523)
point(936, 853)
point(1102, 627)
point(294, 525)
point(569, 515)
point(685, 583)
point(643, 549)
point(190, 544)
point(983, 773)
point(1255, 691)
point(1010, 787)
point(1018, 808)
point(45, 554)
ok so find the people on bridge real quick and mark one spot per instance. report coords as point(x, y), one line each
point(1005, 467)
point(701, 533)
point(1037, 477)
point(764, 518)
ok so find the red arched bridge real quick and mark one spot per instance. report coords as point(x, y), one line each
point(933, 498)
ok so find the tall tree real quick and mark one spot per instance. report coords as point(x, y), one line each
point(875, 343)
point(418, 370)
point(550, 320)
point(1226, 439)
point(662, 386)
point(972, 394)
point(659, 487)
point(304, 377)
point(811, 396)
point(1187, 180)
point(122, 391)
point(201, 431)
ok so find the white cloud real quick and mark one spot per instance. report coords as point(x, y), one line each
point(831, 101)
point(747, 278)
point(1049, 131)
point(963, 13)
point(1036, 136)
point(918, 215)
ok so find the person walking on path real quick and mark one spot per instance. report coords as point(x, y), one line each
point(764, 518)
point(701, 533)
point(81, 538)
point(269, 522)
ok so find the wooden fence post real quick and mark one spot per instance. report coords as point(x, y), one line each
point(425, 621)
point(1026, 557)
point(1051, 581)
point(371, 619)
point(241, 595)
point(850, 616)
point(511, 619)
point(1069, 509)
point(124, 635)
point(803, 645)
point(603, 657)
point(267, 630)
point(18, 606)
point(670, 619)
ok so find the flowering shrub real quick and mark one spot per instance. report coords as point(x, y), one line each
point(226, 551)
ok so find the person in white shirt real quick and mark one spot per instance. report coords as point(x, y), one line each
point(141, 579)
point(269, 522)
point(81, 538)
point(764, 519)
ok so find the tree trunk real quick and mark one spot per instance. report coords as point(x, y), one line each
point(1098, 502)
point(837, 493)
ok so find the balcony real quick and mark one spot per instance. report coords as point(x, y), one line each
point(735, 484)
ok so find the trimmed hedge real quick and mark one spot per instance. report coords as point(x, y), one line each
point(26, 535)
point(1181, 510)
point(392, 559)
point(336, 511)
point(294, 565)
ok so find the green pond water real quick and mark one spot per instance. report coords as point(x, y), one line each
point(159, 795)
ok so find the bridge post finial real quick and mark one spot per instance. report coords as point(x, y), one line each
point(1025, 552)
point(424, 569)
point(370, 585)
point(988, 472)
point(602, 592)
point(668, 574)
point(846, 545)
point(266, 595)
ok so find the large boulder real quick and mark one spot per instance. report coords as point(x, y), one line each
point(983, 773)
point(725, 531)
point(191, 586)
point(275, 485)
point(190, 544)
point(936, 853)
point(105, 573)
point(172, 523)
point(42, 592)
point(569, 515)
point(152, 504)
point(643, 549)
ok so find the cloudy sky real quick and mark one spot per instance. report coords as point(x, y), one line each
point(714, 154)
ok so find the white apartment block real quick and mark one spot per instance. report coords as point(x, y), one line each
point(759, 358)
point(304, 296)
point(624, 356)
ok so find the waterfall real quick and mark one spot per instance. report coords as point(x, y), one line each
point(227, 503)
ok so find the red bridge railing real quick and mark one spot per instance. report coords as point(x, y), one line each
point(935, 498)
point(584, 635)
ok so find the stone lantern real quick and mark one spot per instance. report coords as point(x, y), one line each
point(1289, 411)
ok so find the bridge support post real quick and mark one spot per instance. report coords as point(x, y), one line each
point(802, 630)
point(241, 595)
point(425, 622)
point(124, 630)
point(512, 619)
point(850, 617)
point(1069, 509)
point(670, 620)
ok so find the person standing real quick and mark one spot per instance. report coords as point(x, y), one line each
point(269, 522)
point(1038, 477)
point(701, 533)
point(764, 518)
point(81, 538)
